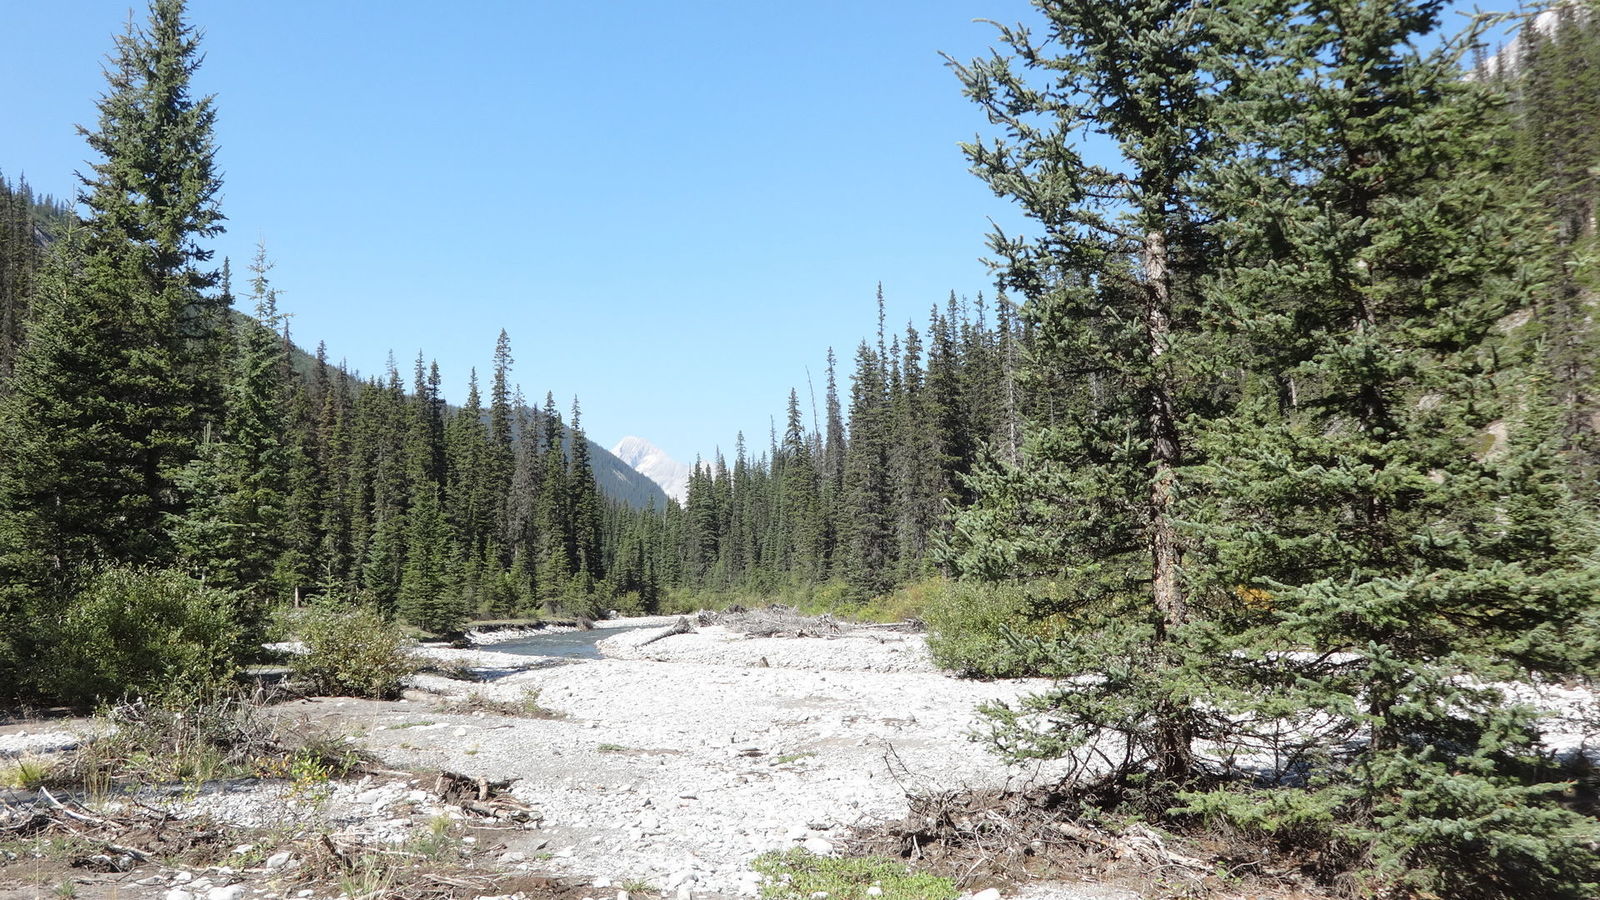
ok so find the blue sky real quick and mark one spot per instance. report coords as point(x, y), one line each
point(673, 208)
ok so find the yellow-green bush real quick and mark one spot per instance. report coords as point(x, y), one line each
point(987, 630)
point(354, 651)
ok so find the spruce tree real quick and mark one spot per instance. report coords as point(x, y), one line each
point(1091, 505)
point(119, 377)
point(1383, 512)
point(236, 528)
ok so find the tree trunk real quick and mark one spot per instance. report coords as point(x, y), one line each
point(1174, 729)
point(1164, 449)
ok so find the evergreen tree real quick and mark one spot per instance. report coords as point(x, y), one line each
point(236, 529)
point(118, 379)
point(1393, 522)
point(1092, 503)
point(555, 551)
point(584, 504)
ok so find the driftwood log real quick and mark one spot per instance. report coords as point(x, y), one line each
point(681, 626)
point(484, 797)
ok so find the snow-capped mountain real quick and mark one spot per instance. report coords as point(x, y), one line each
point(653, 463)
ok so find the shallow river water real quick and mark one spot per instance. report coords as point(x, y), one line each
point(562, 644)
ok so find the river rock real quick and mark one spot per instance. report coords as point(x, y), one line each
point(279, 861)
point(818, 846)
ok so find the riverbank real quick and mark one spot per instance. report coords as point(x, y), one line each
point(667, 772)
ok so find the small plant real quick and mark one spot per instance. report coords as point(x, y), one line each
point(439, 843)
point(526, 706)
point(354, 651)
point(26, 774)
point(801, 875)
point(793, 757)
point(130, 632)
point(66, 890)
point(612, 748)
point(639, 886)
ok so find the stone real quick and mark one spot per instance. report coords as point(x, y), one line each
point(987, 894)
point(279, 861)
point(177, 894)
point(874, 891)
point(231, 892)
point(183, 878)
point(818, 846)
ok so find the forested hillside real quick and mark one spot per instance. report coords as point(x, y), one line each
point(163, 450)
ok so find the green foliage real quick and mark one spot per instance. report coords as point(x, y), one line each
point(353, 651)
point(801, 875)
point(131, 632)
point(1358, 564)
point(990, 630)
point(26, 774)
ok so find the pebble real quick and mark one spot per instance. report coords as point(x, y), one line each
point(822, 848)
point(278, 861)
point(987, 894)
point(183, 878)
point(177, 894)
point(231, 892)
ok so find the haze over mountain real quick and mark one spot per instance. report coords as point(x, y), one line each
point(653, 462)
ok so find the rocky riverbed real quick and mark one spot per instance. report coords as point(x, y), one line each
point(667, 765)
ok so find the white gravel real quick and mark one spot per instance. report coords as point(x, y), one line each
point(679, 768)
point(856, 651)
point(24, 743)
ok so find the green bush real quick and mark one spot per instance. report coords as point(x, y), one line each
point(150, 633)
point(801, 875)
point(988, 630)
point(353, 651)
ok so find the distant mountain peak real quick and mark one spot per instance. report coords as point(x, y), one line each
point(653, 463)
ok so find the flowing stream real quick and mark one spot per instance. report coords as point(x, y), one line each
point(560, 644)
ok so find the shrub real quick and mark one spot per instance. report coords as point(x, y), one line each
point(354, 651)
point(151, 633)
point(801, 875)
point(987, 630)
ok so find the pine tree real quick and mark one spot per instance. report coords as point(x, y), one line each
point(584, 503)
point(555, 551)
point(118, 380)
point(1384, 509)
point(237, 526)
point(1092, 503)
point(868, 526)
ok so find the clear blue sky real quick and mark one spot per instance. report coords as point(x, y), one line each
point(673, 208)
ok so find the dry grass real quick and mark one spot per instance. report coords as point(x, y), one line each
point(526, 706)
point(1004, 839)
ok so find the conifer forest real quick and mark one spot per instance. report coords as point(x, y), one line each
point(1276, 444)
